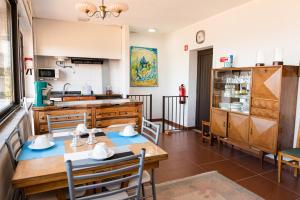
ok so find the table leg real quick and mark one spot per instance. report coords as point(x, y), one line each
point(61, 194)
point(279, 166)
point(153, 184)
point(296, 169)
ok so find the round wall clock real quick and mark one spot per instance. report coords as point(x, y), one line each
point(200, 37)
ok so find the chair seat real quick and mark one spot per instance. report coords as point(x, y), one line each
point(146, 178)
point(119, 196)
point(292, 152)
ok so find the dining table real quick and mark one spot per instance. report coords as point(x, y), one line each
point(42, 171)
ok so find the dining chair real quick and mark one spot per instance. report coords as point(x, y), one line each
point(293, 156)
point(122, 174)
point(151, 131)
point(65, 122)
point(14, 144)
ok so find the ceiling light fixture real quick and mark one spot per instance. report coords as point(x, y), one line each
point(152, 30)
point(103, 10)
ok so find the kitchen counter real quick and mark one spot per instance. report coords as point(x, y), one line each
point(100, 113)
point(89, 104)
point(61, 94)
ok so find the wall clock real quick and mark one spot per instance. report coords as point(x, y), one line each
point(200, 37)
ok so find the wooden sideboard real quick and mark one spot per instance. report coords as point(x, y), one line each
point(99, 115)
point(271, 96)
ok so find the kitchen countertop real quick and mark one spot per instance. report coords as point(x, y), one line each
point(87, 104)
point(60, 94)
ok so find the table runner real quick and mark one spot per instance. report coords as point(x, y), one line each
point(121, 140)
point(80, 158)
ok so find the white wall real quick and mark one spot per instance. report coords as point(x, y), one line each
point(153, 41)
point(260, 24)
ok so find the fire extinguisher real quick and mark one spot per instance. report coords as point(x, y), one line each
point(182, 94)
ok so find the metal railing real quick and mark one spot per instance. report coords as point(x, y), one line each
point(173, 113)
point(147, 104)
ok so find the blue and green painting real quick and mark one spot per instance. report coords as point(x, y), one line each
point(143, 67)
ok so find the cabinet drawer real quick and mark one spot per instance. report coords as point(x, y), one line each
point(108, 122)
point(116, 112)
point(266, 113)
point(44, 127)
point(128, 111)
point(265, 104)
point(43, 115)
point(106, 113)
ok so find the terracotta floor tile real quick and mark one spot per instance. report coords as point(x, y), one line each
point(287, 179)
point(229, 169)
point(268, 189)
point(189, 156)
point(254, 164)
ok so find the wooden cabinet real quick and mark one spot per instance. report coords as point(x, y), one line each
point(263, 134)
point(97, 115)
point(238, 127)
point(272, 96)
point(219, 122)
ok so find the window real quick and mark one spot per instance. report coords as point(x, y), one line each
point(9, 73)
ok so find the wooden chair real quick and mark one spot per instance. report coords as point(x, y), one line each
point(65, 122)
point(294, 158)
point(14, 144)
point(206, 135)
point(120, 193)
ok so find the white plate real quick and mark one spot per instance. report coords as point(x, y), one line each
point(134, 134)
point(31, 146)
point(110, 154)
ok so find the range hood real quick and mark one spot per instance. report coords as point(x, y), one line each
point(80, 60)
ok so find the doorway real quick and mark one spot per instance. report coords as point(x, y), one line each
point(204, 66)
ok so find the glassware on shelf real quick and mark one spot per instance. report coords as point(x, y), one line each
point(231, 90)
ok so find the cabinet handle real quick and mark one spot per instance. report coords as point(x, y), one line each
point(228, 124)
point(224, 124)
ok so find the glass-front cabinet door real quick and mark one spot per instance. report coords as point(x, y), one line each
point(231, 90)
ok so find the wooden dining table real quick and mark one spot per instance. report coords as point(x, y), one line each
point(49, 173)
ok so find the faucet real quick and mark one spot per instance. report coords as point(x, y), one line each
point(64, 88)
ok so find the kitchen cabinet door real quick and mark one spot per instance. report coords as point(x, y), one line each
point(266, 82)
point(238, 127)
point(263, 134)
point(219, 122)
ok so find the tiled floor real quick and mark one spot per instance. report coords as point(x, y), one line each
point(188, 156)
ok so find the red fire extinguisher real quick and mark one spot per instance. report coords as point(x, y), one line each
point(182, 94)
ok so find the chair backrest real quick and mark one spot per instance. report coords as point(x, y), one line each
point(122, 174)
point(150, 130)
point(14, 144)
point(65, 122)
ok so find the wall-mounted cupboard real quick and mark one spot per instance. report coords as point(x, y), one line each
point(255, 108)
point(77, 39)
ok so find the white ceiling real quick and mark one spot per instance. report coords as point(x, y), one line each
point(164, 15)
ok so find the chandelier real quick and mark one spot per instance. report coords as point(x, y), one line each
point(102, 11)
